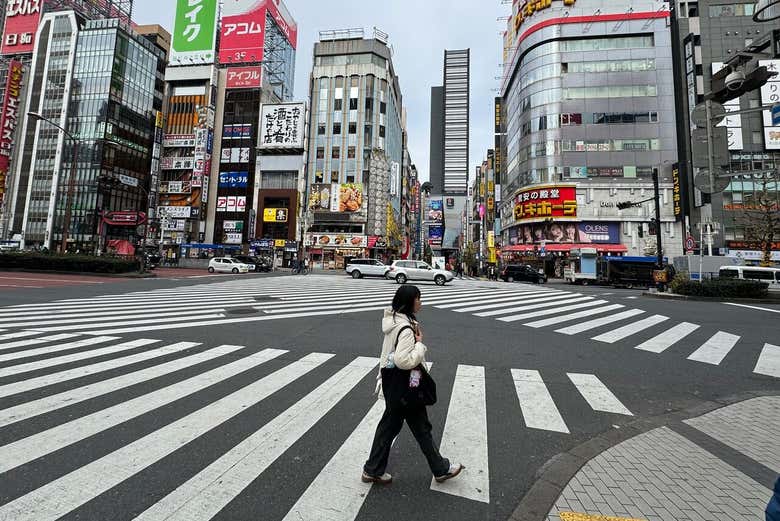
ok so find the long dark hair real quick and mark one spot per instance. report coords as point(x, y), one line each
point(403, 301)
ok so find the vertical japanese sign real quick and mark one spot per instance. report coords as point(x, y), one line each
point(243, 31)
point(9, 118)
point(733, 124)
point(194, 32)
point(281, 126)
point(677, 193)
point(21, 21)
point(770, 95)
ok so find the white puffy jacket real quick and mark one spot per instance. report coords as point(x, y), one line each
point(408, 352)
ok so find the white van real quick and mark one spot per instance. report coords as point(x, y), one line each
point(769, 275)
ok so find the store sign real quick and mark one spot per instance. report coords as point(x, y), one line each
point(275, 215)
point(262, 244)
point(770, 95)
point(233, 226)
point(232, 238)
point(244, 77)
point(334, 197)
point(243, 31)
point(281, 126)
point(194, 32)
point(9, 118)
point(21, 22)
point(545, 202)
point(239, 131)
point(124, 218)
point(527, 8)
point(233, 179)
point(179, 140)
point(733, 124)
point(337, 240)
point(177, 163)
point(283, 20)
point(587, 232)
point(677, 193)
point(235, 155)
point(231, 203)
point(175, 212)
point(175, 187)
point(749, 245)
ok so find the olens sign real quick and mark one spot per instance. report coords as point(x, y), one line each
point(21, 22)
point(9, 118)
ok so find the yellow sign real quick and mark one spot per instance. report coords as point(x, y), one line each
point(492, 255)
point(279, 243)
point(529, 7)
point(159, 120)
point(482, 189)
point(491, 239)
point(491, 202)
point(573, 516)
point(275, 215)
point(491, 187)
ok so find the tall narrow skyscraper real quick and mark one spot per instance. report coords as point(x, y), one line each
point(456, 121)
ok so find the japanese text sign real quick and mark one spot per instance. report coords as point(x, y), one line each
point(233, 179)
point(194, 32)
point(243, 31)
point(21, 22)
point(244, 77)
point(281, 126)
point(9, 119)
point(545, 202)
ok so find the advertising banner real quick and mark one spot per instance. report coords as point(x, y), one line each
point(770, 95)
point(677, 193)
point(334, 197)
point(566, 232)
point(733, 124)
point(9, 119)
point(284, 20)
point(435, 210)
point(179, 140)
point(244, 77)
point(337, 240)
point(275, 215)
point(233, 179)
point(177, 163)
point(546, 201)
point(235, 155)
point(194, 32)
point(177, 212)
point(237, 132)
point(243, 31)
point(232, 238)
point(233, 226)
point(435, 235)
point(21, 22)
point(231, 203)
point(281, 126)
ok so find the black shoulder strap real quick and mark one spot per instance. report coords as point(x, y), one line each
point(399, 335)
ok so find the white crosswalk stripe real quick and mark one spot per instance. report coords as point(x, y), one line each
point(572, 316)
point(769, 361)
point(539, 410)
point(598, 396)
point(714, 350)
point(668, 338)
point(598, 322)
point(620, 333)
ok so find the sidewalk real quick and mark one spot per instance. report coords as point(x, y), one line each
point(719, 466)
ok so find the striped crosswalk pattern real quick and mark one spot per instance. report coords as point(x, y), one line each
point(204, 491)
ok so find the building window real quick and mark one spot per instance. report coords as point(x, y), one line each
point(353, 103)
point(335, 153)
point(369, 103)
point(383, 107)
point(334, 176)
point(353, 128)
point(350, 178)
point(718, 11)
point(338, 104)
point(320, 129)
point(318, 177)
point(351, 153)
point(337, 128)
point(571, 119)
point(381, 131)
point(320, 152)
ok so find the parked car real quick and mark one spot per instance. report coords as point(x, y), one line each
point(252, 262)
point(359, 268)
point(403, 270)
point(523, 273)
point(227, 265)
point(152, 259)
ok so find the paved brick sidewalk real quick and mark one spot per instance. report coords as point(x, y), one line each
point(662, 475)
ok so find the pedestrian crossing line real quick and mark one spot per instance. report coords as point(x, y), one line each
point(598, 322)
point(526, 306)
point(84, 342)
point(572, 316)
point(520, 299)
point(116, 305)
point(18, 334)
point(37, 445)
point(72, 490)
point(552, 311)
point(464, 437)
point(337, 494)
point(598, 396)
point(610, 337)
point(139, 313)
point(714, 350)
point(209, 491)
point(80, 394)
point(36, 341)
point(769, 361)
point(538, 408)
point(185, 321)
point(665, 340)
point(496, 297)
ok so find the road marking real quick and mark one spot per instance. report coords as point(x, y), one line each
point(18, 334)
point(206, 493)
point(538, 407)
point(552, 311)
point(573, 316)
point(464, 438)
point(597, 395)
point(521, 299)
point(714, 350)
point(620, 333)
point(489, 296)
point(27, 449)
point(769, 361)
point(80, 281)
point(593, 324)
point(559, 302)
point(753, 307)
point(58, 497)
point(57, 347)
point(111, 312)
point(337, 494)
point(665, 340)
point(181, 319)
point(37, 341)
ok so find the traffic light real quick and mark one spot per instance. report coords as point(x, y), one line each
point(625, 204)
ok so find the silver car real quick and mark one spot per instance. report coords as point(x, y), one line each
point(359, 268)
point(403, 270)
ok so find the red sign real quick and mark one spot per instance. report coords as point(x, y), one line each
point(21, 21)
point(544, 202)
point(124, 218)
point(9, 118)
point(244, 77)
point(243, 31)
point(283, 19)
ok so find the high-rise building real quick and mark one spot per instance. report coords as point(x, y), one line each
point(588, 103)
point(436, 156)
point(356, 147)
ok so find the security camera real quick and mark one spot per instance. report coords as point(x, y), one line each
point(734, 80)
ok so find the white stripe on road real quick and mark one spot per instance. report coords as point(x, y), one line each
point(45, 442)
point(593, 324)
point(58, 497)
point(464, 438)
point(753, 307)
point(188, 320)
point(714, 350)
point(556, 302)
point(626, 331)
point(572, 316)
point(769, 361)
point(209, 491)
point(538, 407)
point(553, 311)
point(665, 340)
point(502, 296)
point(521, 299)
point(337, 494)
point(18, 334)
point(55, 348)
point(36, 341)
point(597, 395)
point(70, 308)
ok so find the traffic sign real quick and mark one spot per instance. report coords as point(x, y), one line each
point(690, 243)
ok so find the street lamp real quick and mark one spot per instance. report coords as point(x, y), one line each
point(71, 177)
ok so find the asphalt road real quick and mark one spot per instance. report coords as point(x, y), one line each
point(250, 397)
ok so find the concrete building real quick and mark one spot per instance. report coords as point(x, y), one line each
point(356, 149)
point(588, 103)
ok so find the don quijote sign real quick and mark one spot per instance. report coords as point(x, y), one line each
point(9, 118)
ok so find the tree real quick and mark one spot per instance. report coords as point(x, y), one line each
point(761, 219)
point(470, 255)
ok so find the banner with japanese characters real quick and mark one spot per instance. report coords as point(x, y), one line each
point(281, 126)
point(194, 32)
point(21, 22)
point(242, 35)
point(244, 77)
point(540, 203)
point(233, 179)
point(9, 118)
point(770, 95)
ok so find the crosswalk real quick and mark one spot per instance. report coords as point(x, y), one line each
point(49, 409)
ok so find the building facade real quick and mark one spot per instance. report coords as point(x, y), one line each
point(587, 106)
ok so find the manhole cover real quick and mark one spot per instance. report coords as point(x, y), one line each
point(241, 311)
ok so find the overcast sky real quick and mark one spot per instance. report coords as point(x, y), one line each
point(419, 32)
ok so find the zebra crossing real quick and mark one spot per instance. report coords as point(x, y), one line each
point(257, 300)
point(49, 408)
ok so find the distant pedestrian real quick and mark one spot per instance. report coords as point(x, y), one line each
point(407, 389)
point(460, 270)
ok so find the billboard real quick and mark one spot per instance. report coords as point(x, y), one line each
point(231, 203)
point(588, 232)
point(9, 118)
point(194, 32)
point(275, 215)
point(281, 126)
point(333, 197)
point(284, 21)
point(435, 210)
point(546, 201)
point(21, 22)
point(233, 179)
point(243, 31)
point(435, 235)
point(244, 77)
point(337, 239)
point(770, 95)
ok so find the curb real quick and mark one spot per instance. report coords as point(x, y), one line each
point(551, 479)
point(675, 296)
point(132, 275)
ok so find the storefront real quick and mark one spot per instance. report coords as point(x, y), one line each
point(333, 251)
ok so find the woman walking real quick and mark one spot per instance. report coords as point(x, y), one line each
point(406, 397)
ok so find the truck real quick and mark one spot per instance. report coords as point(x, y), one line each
point(627, 271)
point(581, 267)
